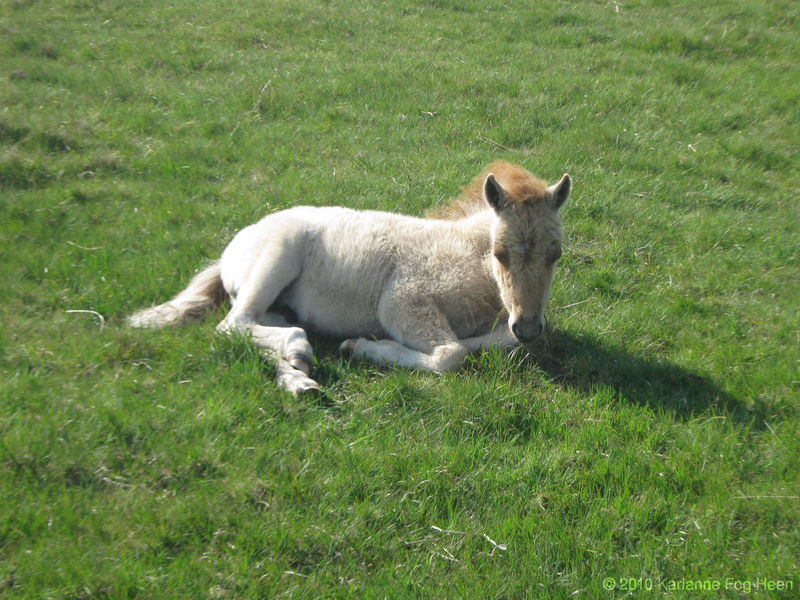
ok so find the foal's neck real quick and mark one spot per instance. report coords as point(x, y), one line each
point(476, 228)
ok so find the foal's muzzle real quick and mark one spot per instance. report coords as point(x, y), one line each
point(527, 329)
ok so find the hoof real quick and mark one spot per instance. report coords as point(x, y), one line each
point(347, 347)
point(307, 390)
point(296, 381)
point(301, 363)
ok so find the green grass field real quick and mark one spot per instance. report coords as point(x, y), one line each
point(654, 435)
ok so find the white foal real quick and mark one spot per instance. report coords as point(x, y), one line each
point(418, 293)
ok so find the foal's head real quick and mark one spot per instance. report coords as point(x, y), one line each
point(526, 242)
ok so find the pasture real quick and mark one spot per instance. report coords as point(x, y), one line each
point(653, 434)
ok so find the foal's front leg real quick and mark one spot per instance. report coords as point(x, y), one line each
point(440, 358)
point(424, 337)
point(444, 357)
point(500, 336)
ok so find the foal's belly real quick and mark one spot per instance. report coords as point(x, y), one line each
point(336, 299)
point(333, 314)
point(346, 305)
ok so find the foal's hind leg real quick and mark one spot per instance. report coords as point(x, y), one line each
point(288, 346)
point(278, 264)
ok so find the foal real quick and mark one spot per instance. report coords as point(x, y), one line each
point(418, 293)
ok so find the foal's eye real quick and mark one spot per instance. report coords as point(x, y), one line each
point(501, 255)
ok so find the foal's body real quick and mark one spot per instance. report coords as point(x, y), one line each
point(348, 289)
point(424, 291)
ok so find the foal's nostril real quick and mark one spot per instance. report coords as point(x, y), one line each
point(520, 333)
point(527, 330)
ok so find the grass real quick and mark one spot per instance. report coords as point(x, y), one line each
point(653, 434)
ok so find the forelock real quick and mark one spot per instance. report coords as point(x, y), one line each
point(520, 185)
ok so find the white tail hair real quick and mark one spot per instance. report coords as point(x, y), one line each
point(203, 293)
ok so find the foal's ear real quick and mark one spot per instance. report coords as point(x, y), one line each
point(559, 192)
point(494, 193)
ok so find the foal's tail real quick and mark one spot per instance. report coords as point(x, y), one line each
point(204, 293)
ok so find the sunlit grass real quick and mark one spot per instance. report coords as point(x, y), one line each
point(652, 434)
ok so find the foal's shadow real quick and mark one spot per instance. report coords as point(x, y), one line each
point(587, 363)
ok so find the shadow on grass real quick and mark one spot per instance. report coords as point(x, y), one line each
point(586, 363)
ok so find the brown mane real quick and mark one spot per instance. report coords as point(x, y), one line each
point(521, 188)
